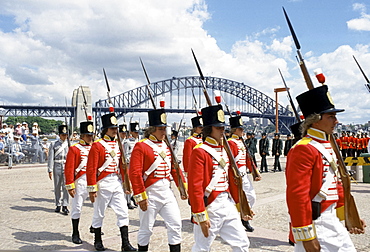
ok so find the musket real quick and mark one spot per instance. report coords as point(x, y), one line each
point(178, 130)
point(65, 120)
point(352, 218)
point(195, 103)
point(245, 209)
point(367, 85)
point(175, 162)
point(290, 98)
point(255, 171)
point(126, 181)
point(85, 103)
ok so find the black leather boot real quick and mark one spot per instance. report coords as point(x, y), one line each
point(143, 248)
point(92, 230)
point(126, 246)
point(247, 226)
point(98, 243)
point(76, 234)
point(175, 248)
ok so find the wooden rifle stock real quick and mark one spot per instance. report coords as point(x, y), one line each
point(245, 209)
point(352, 218)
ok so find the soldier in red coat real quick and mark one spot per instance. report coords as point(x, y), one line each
point(240, 154)
point(192, 141)
point(314, 191)
point(212, 192)
point(150, 174)
point(104, 174)
point(75, 175)
point(344, 145)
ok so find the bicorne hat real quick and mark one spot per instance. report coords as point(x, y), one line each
point(109, 121)
point(87, 128)
point(236, 122)
point(197, 121)
point(316, 101)
point(213, 116)
point(157, 118)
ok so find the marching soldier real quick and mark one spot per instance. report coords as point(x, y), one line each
point(104, 175)
point(313, 189)
point(264, 152)
point(344, 145)
point(56, 160)
point(75, 175)
point(239, 152)
point(150, 174)
point(212, 191)
point(351, 144)
point(192, 141)
point(174, 142)
point(277, 148)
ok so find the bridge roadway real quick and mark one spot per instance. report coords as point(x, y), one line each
point(29, 223)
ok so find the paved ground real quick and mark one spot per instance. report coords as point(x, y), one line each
point(28, 221)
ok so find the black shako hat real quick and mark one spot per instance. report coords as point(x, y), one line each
point(236, 122)
point(197, 121)
point(122, 128)
point(109, 121)
point(134, 127)
point(62, 129)
point(157, 118)
point(213, 116)
point(316, 101)
point(87, 128)
point(174, 133)
point(295, 130)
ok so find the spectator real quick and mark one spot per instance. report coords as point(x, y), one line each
point(18, 129)
point(17, 150)
point(277, 147)
point(25, 131)
point(36, 128)
point(36, 148)
point(288, 144)
point(45, 147)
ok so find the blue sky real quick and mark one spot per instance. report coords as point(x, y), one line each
point(50, 48)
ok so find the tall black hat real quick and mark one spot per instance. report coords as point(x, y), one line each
point(316, 101)
point(277, 134)
point(236, 122)
point(134, 127)
point(213, 116)
point(197, 121)
point(264, 134)
point(295, 130)
point(63, 129)
point(109, 121)
point(87, 128)
point(122, 128)
point(157, 118)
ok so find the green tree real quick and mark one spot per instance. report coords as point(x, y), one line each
point(47, 126)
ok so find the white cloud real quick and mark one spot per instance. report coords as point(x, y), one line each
point(362, 23)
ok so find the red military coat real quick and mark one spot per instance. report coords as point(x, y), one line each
point(189, 145)
point(96, 159)
point(235, 150)
point(73, 160)
point(304, 178)
point(199, 177)
point(142, 157)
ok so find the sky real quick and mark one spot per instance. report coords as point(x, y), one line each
point(49, 48)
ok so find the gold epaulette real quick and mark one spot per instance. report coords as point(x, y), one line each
point(197, 146)
point(303, 141)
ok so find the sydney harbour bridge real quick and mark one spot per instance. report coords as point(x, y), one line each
point(182, 95)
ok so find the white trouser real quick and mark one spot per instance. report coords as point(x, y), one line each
point(249, 190)
point(225, 221)
point(331, 233)
point(80, 196)
point(110, 193)
point(162, 201)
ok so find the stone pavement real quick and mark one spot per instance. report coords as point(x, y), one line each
point(29, 223)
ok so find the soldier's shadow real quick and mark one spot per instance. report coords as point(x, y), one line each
point(34, 241)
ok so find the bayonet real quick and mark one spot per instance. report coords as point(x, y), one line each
point(367, 85)
point(290, 98)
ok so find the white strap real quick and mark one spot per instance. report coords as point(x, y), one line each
point(322, 194)
point(161, 156)
point(110, 158)
point(61, 148)
point(218, 172)
point(83, 162)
